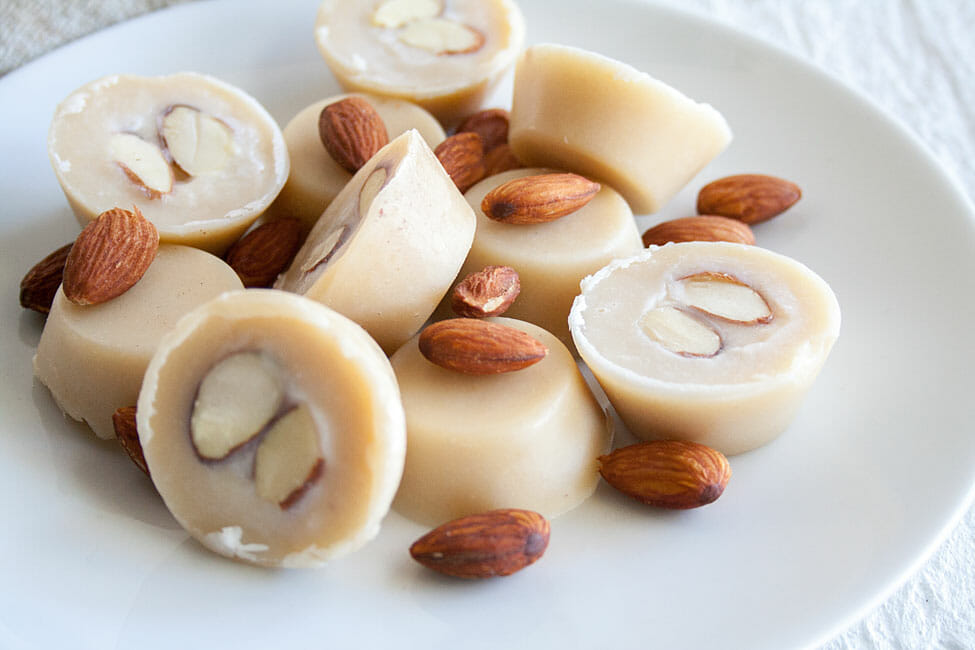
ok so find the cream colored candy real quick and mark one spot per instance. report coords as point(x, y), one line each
point(551, 258)
point(316, 179)
point(522, 439)
point(202, 159)
point(706, 341)
point(92, 358)
point(445, 55)
point(587, 113)
point(311, 412)
point(387, 248)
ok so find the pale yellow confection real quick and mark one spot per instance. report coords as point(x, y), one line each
point(584, 112)
point(316, 179)
point(273, 429)
point(387, 248)
point(93, 357)
point(523, 439)
point(551, 258)
point(712, 342)
point(202, 159)
point(445, 55)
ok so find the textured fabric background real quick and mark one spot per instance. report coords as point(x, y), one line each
point(914, 58)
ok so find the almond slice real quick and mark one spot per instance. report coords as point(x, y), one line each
point(110, 255)
point(489, 292)
point(680, 332)
point(478, 347)
point(539, 198)
point(143, 163)
point(289, 459)
point(441, 36)
point(393, 14)
point(725, 297)
point(196, 141)
point(352, 132)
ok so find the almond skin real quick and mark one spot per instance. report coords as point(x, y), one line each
point(109, 256)
point(489, 292)
point(478, 347)
point(124, 422)
point(260, 255)
point(491, 124)
point(500, 159)
point(462, 157)
point(352, 132)
point(750, 198)
point(538, 199)
point(40, 285)
point(700, 228)
point(493, 543)
point(673, 474)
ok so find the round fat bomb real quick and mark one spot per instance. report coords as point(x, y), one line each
point(522, 439)
point(273, 429)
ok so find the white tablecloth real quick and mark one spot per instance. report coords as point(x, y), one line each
point(913, 58)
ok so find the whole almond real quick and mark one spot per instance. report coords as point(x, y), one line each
point(40, 285)
point(539, 198)
point(479, 347)
point(123, 419)
point(500, 159)
point(109, 256)
point(672, 474)
point(700, 228)
point(491, 124)
point(260, 255)
point(751, 198)
point(493, 543)
point(462, 157)
point(352, 132)
point(488, 292)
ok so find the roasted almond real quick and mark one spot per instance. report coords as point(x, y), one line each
point(352, 132)
point(493, 543)
point(500, 159)
point(491, 124)
point(674, 474)
point(260, 255)
point(40, 285)
point(462, 157)
point(109, 256)
point(128, 437)
point(700, 228)
point(539, 198)
point(478, 347)
point(488, 292)
point(751, 198)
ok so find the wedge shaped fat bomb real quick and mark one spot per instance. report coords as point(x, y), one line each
point(522, 439)
point(93, 357)
point(445, 55)
point(712, 342)
point(387, 248)
point(273, 429)
point(201, 158)
point(316, 179)
point(583, 112)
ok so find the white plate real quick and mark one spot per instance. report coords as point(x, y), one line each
point(812, 530)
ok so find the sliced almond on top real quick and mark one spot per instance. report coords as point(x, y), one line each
point(289, 458)
point(40, 285)
point(751, 198)
point(478, 347)
point(352, 132)
point(489, 292)
point(680, 332)
point(196, 141)
point(143, 163)
point(260, 255)
point(110, 255)
point(236, 399)
point(462, 157)
point(539, 198)
point(700, 228)
point(441, 36)
point(396, 13)
point(726, 297)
